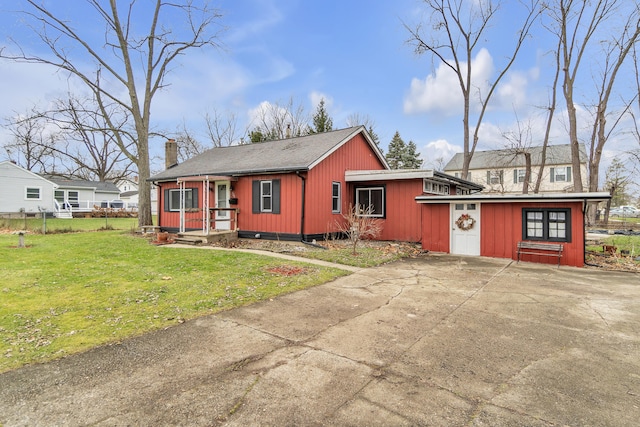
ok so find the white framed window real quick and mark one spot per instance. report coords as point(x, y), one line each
point(74, 198)
point(518, 175)
point(495, 177)
point(561, 174)
point(172, 204)
point(371, 198)
point(33, 193)
point(336, 197)
point(435, 187)
point(266, 196)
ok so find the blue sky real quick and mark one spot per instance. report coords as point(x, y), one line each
point(353, 53)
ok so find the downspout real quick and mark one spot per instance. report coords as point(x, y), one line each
point(304, 187)
point(584, 231)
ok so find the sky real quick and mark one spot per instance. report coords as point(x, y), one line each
point(352, 53)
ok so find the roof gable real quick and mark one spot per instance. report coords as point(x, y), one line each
point(492, 159)
point(10, 164)
point(286, 155)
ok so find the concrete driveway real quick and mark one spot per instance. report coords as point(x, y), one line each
point(438, 341)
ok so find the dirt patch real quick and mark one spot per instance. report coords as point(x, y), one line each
point(613, 262)
point(287, 270)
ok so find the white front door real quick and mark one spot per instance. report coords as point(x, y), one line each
point(465, 228)
point(222, 201)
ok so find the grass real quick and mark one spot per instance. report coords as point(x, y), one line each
point(66, 293)
point(58, 225)
point(623, 243)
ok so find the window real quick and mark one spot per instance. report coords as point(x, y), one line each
point(371, 198)
point(562, 174)
point(59, 196)
point(265, 196)
point(546, 224)
point(74, 198)
point(172, 199)
point(518, 175)
point(435, 187)
point(33, 193)
point(495, 177)
point(336, 197)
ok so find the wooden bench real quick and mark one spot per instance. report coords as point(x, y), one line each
point(544, 249)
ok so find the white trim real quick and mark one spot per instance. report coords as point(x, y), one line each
point(32, 187)
point(387, 175)
point(518, 198)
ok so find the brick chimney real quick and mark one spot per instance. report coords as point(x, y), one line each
point(170, 153)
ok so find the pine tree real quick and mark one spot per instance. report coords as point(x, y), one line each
point(375, 138)
point(397, 148)
point(321, 120)
point(411, 158)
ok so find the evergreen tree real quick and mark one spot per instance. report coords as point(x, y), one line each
point(321, 120)
point(397, 148)
point(375, 138)
point(411, 159)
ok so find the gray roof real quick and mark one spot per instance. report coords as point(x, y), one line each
point(104, 187)
point(556, 155)
point(286, 155)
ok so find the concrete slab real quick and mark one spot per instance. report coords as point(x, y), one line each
point(437, 340)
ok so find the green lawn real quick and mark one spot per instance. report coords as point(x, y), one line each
point(66, 293)
point(622, 243)
point(57, 225)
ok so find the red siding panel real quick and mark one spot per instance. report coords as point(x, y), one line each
point(356, 154)
point(435, 227)
point(502, 230)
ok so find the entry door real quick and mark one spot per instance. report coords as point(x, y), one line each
point(465, 228)
point(222, 201)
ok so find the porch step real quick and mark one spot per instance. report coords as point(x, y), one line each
point(64, 215)
point(189, 240)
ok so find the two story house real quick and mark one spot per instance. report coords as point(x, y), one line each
point(503, 171)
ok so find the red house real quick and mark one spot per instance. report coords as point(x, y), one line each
point(299, 188)
point(296, 188)
point(490, 225)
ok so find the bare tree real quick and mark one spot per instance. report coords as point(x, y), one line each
point(222, 129)
point(457, 31)
point(520, 142)
point(577, 25)
point(278, 121)
point(358, 224)
point(128, 60)
point(33, 145)
point(188, 145)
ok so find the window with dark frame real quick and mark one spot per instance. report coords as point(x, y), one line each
point(190, 199)
point(373, 198)
point(336, 197)
point(553, 225)
point(265, 196)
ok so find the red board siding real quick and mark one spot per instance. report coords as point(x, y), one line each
point(193, 220)
point(287, 221)
point(501, 230)
point(435, 227)
point(354, 155)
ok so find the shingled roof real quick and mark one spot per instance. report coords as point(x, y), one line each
point(286, 155)
point(101, 186)
point(556, 155)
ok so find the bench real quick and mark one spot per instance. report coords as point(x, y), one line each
point(544, 249)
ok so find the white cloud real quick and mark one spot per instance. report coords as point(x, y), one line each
point(315, 97)
point(441, 92)
point(437, 153)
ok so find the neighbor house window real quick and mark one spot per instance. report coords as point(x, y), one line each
point(518, 175)
point(562, 174)
point(552, 225)
point(265, 196)
point(172, 199)
point(371, 199)
point(33, 193)
point(495, 177)
point(74, 198)
point(336, 197)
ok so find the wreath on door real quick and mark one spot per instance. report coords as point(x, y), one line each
point(465, 222)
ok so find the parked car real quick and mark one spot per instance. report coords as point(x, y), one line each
point(625, 212)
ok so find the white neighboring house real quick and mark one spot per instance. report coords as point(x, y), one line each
point(501, 171)
point(129, 193)
point(77, 195)
point(24, 191)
